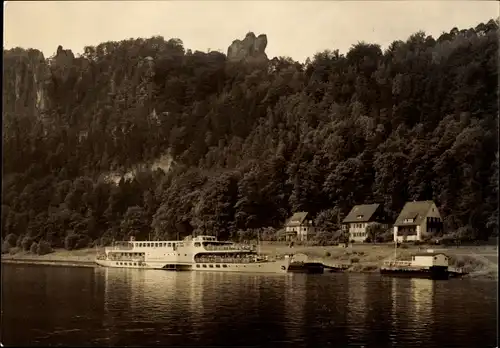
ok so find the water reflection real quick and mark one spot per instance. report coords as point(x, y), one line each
point(357, 291)
point(295, 307)
point(111, 307)
point(412, 306)
point(422, 291)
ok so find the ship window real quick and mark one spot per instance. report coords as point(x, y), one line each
point(224, 266)
point(117, 263)
point(211, 266)
point(169, 245)
point(197, 266)
point(197, 244)
point(185, 254)
point(217, 266)
point(135, 264)
point(204, 266)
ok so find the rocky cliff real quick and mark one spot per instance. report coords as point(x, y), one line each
point(250, 49)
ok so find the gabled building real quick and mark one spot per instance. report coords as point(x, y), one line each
point(360, 217)
point(298, 227)
point(416, 221)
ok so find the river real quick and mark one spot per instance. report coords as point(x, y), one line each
point(44, 305)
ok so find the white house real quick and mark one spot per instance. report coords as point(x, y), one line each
point(360, 217)
point(416, 221)
point(429, 259)
point(298, 227)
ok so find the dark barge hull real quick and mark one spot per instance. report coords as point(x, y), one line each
point(435, 273)
point(306, 267)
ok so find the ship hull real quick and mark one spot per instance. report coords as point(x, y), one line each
point(434, 273)
point(255, 267)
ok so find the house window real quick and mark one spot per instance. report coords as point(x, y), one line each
point(408, 220)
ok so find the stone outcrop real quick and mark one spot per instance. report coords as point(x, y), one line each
point(250, 49)
point(62, 62)
point(25, 75)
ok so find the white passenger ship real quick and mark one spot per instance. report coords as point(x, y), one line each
point(201, 253)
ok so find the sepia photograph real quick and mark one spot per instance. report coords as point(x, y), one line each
point(250, 174)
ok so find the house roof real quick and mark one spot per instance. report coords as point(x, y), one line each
point(429, 254)
point(361, 213)
point(297, 218)
point(413, 210)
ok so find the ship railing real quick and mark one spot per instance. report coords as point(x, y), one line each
point(126, 258)
point(228, 247)
point(397, 263)
point(120, 247)
point(228, 260)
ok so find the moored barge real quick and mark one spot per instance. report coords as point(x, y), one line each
point(430, 265)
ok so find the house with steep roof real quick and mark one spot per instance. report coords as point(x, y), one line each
point(417, 220)
point(360, 217)
point(298, 227)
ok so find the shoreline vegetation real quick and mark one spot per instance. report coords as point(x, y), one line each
point(479, 261)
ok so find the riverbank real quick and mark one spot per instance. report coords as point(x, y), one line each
point(480, 261)
point(59, 257)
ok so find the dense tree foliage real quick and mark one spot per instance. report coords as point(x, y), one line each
point(246, 145)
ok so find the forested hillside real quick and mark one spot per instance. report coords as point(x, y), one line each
point(247, 144)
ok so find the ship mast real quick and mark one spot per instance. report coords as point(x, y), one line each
point(395, 249)
point(258, 241)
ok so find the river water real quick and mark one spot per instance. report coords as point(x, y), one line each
point(43, 305)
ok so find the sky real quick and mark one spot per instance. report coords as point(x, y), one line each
point(297, 29)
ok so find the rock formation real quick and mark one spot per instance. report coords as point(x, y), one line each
point(62, 62)
point(250, 49)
